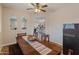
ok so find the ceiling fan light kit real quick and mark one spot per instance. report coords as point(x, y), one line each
point(37, 10)
point(38, 7)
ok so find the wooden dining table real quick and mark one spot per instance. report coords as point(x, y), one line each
point(27, 49)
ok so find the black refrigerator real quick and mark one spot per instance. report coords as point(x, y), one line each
point(71, 38)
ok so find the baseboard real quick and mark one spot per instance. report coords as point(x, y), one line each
point(7, 44)
point(58, 43)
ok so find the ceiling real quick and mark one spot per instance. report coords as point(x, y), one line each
point(23, 6)
point(52, 7)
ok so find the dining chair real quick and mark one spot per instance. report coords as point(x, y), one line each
point(45, 38)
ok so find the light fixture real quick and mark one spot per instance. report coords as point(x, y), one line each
point(37, 10)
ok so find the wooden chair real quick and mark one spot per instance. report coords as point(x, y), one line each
point(45, 38)
point(21, 34)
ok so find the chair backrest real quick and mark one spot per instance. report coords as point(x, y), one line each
point(45, 38)
point(21, 34)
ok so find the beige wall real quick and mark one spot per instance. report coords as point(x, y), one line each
point(54, 23)
point(0, 24)
point(9, 36)
point(67, 14)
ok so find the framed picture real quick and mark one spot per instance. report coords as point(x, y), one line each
point(13, 23)
point(24, 23)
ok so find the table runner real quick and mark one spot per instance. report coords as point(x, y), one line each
point(42, 49)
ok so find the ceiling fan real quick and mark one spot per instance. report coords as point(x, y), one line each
point(37, 7)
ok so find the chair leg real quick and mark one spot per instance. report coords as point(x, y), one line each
point(70, 52)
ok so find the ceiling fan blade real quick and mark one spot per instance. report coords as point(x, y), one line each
point(29, 8)
point(44, 6)
point(43, 10)
point(32, 4)
point(37, 5)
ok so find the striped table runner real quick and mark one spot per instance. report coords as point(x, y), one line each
point(42, 49)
